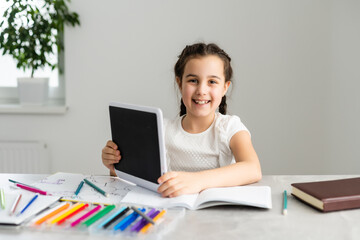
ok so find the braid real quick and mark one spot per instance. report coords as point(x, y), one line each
point(223, 105)
point(182, 108)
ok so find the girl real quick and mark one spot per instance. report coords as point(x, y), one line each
point(205, 148)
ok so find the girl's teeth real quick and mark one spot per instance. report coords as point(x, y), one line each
point(201, 102)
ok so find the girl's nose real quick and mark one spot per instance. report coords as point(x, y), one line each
point(201, 89)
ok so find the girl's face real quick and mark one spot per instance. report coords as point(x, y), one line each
point(203, 85)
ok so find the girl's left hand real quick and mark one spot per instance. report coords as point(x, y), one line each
point(174, 184)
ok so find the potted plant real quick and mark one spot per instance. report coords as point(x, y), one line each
point(32, 30)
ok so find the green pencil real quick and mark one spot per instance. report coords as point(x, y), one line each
point(285, 203)
point(99, 215)
point(2, 198)
point(96, 187)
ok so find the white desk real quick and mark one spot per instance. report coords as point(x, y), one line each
point(236, 222)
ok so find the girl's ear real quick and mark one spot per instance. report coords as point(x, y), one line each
point(178, 81)
point(226, 87)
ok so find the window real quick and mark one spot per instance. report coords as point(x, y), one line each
point(9, 74)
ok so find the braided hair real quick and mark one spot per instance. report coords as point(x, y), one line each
point(202, 50)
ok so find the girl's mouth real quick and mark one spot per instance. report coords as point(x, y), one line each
point(201, 101)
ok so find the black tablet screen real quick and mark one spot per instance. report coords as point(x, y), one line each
point(136, 134)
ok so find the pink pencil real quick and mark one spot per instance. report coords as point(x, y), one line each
point(77, 221)
point(31, 189)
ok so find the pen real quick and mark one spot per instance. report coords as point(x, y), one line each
point(96, 188)
point(285, 203)
point(31, 189)
point(147, 218)
point(79, 188)
point(13, 181)
point(16, 202)
point(2, 196)
point(30, 202)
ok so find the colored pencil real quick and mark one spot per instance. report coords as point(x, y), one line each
point(15, 204)
point(76, 211)
point(140, 224)
point(127, 221)
point(99, 215)
point(31, 189)
point(59, 209)
point(92, 211)
point(2, 196)
point(29, 203)
point(79, 188)
point(116, 218)
point(67, 213)
point(146, 227)
point(143, 215)
point(114, 215)
point(285, 203)
point(96, 187)
point(13, 181)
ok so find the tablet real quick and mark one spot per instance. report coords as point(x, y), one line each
point(138, 133)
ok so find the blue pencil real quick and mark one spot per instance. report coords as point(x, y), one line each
point(78, 188)
point(30, 202)
point(127, 221)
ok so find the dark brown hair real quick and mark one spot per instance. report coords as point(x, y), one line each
point(202, 50)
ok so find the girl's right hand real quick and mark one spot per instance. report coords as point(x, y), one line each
point(110, 155)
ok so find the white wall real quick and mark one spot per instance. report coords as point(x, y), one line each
point(296, 77)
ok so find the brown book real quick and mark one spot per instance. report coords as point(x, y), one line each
point(331, 195)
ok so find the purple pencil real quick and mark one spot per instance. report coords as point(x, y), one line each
point(142, 221)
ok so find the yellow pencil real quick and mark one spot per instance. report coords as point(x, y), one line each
point(146, 227)
point(53, 213)
point(67, 213)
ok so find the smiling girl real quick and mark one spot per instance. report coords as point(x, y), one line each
point(205, 147)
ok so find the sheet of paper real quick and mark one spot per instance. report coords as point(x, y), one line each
point(146, 197)
point(40, 203)
point(65, 184)
point(257, 196)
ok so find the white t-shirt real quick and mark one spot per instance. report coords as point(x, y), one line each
point(202, 151)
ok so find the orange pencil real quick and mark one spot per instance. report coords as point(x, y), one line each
point(68, 212)
point(146, 227)
point(53, 213)
point(72, 214)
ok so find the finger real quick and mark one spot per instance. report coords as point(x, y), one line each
point(177, 193)
point(111, 144)
point(108, 150)
point(168, 186)
point(166, 177)
point(172, 190)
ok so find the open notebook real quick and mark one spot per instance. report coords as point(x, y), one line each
point(255, 196)
point(65, 184)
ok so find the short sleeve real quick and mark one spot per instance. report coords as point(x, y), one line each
point(233, 126)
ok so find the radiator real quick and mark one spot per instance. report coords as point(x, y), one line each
point(24, 157)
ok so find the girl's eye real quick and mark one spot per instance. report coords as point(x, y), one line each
point(193, 80)
point(213, 81)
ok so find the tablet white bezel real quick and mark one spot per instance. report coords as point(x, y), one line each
point(159, 117)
